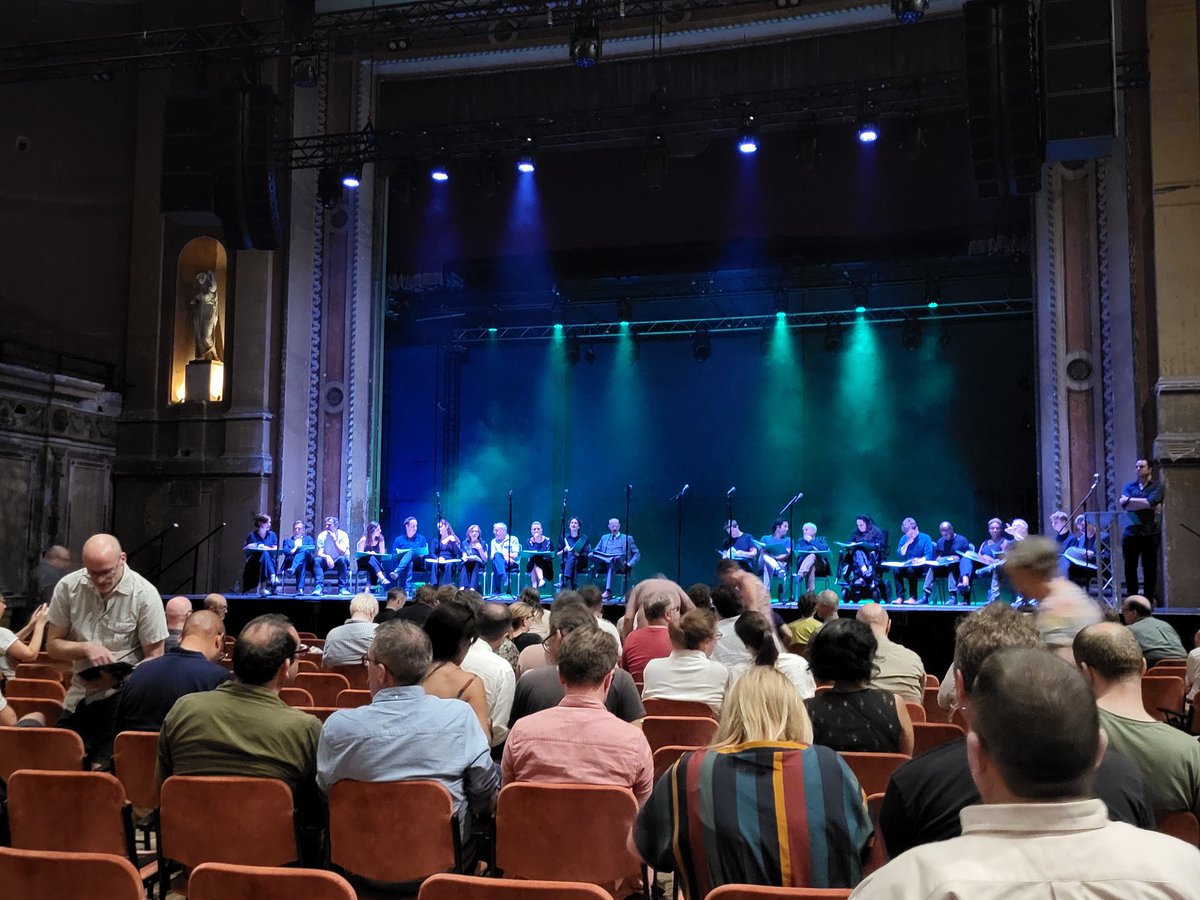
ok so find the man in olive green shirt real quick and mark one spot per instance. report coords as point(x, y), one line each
point(1157, 639)
point(242, 727)
point(800, 632)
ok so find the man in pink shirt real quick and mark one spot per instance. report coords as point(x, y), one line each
point(653, 641)
point(580, 741)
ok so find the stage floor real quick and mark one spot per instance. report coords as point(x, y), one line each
point(927, 629)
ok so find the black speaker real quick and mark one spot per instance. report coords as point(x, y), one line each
point(1078, 78)
point(1003, 112)
point(187, 183)
point(245, 193)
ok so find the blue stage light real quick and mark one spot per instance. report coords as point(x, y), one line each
point(525, 164)
point(748, 140)
point(438, 173)
point(352, 176)
point(868, 131)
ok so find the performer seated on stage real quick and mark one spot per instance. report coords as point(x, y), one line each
point(811, 564)
point(740, 547)
point(373, 541)
point(504, 552)
point(1060, 528)
point(333, 554)
point(410, 550)
point(299, 554)
point(540, 568)
point(1079, 553)
point(959, 576)
point(774, 559)
point(992, 551)
point(258, 575)
point(914, 545)
point(859, 563)
point(615, 552)
point(573, 549)
point(1017, 531)
point(474, 556)
point(449, 550)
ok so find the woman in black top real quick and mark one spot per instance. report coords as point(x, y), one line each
point(540, 568)
point(474, 556)
point(448, 551)
point(852, 715)
point(373, 541)
point(574, 550)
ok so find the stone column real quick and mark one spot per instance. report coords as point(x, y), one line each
point(1175, 161)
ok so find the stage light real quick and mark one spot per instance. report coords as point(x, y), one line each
point(399, 44)
point(624, 312)
point(834, 338)
point(492, 329)
point(781, 304)
point(748, 140)
point(525, 165)
point(860, 309)
point(352, 176)
point(701, 344)
point(304, 72)
point(908, 11)
point(859, 293)
point(933, 294)
point(439, 173)
point(586, 45)
point(868, 131)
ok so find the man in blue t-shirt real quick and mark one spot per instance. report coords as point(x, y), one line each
point(740, 547)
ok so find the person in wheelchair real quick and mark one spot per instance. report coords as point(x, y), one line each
point(858, 568)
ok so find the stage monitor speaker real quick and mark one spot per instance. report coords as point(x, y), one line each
point(1079, 78)
point(187, 180)
point(245, 193)
point(1003, 112)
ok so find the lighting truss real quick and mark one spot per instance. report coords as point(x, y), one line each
point(365, 29)
point(596, 331)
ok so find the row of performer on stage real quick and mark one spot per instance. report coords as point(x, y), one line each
point(448, 560)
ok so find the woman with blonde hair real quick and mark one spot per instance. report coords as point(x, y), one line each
point(539, 622)
point(764, 785)
point(688, 673)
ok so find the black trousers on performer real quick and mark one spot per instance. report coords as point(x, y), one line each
point(1144, 547)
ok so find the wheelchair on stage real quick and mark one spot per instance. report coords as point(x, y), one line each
point(860, 572)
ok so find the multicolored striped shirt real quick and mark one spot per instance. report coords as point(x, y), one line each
point(778, 814)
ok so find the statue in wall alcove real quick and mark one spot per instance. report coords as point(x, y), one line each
point(204, 315)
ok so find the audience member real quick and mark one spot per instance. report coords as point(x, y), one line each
point(242, 727)
point(216, 603)
point(496, 673)
point(452, 628)
point(408, 734)
point(534, 656)
point(396, 600)
point(1063, 609)
point(729, 650)
point(852, 715)
point(100, 615)
point(348, 643)
point(1033, 748)
point(521, 615)
point(636, 596)
point(424, 600)
point(1191, 680)
point(594, 601)
point(177, 610)
point(823, 608)
point(191, 666)
point(539, 621)
point(579, 741)
point(1157, 639)
point(540, 688)
point(654, 640)
point(54, 564)
point(925, 796)
point(756, 633)
point(763, 806)
point(897, 669)
point(701, 596)
point(24, 645)
point(688, 673)
point(1111, 661)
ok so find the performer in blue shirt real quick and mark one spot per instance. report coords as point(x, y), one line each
point(260, 547)
point(1141, 499)
point(409, 550)
point(914, 544)
point(299, 555)
point(740, 547)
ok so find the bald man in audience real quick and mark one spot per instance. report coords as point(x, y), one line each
point(177, 611)
point(189, 667)
point(242, 727)
point(1111, 660)
point(216, 603)
point(897, 669)
point(925, 795)
point(1033, 748)
point(1157, 639)
point(102, 615)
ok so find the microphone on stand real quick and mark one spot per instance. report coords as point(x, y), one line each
point(684, 490)
point(731, 492)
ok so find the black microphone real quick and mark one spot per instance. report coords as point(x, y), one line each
point(731, 492)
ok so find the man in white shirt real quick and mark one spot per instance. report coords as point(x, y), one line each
point(333, 554)
point(348, 643)
point(499, 680)
point(1034, 745)
point(503, 552)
